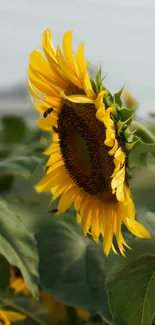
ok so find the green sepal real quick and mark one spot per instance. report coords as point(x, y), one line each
point(126, 115)
point(122, 125)
point(94, 86)
point(129, 145)
point(99, 78)
point(117, 97)
point(114, 113)
point(128, 134)
point(137, 155)
point(108, 100)
point(121, 129)
point(142, 132)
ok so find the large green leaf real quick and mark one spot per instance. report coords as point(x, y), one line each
point(18, 246)
point(14, 128)
point(72, 266)
point(22, 166)
point(137, 156)
point(131, 286)
point(4, 276)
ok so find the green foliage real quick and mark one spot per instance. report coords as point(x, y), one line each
point(18, 246)
point(22, 166)
point(14, 129)
point(131, 286)
point(4, 276)
point(117, 97)
point(138, 154)
point(72, 266)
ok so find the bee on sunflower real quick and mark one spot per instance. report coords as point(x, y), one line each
point(91, 140)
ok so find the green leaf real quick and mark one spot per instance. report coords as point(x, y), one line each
point(117, 97)
point(99, 78)
point(143, 133)
point(137, 155)
point(22, 166)
point(131, 290)
point(6, 182)
point(72, 267)
point(126, 115)
point(18, 246)
point(4, 277)
point(94, 86)
point(14, 129)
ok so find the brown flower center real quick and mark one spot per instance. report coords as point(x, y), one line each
point(83, 150)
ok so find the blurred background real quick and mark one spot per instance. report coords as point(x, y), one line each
point(117, 33)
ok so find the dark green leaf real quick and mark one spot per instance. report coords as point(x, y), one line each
point(142, 132)
point(126, 114)
point(22, 166)
point(138, 154)
point(14, 129)
point(4, 276)
point(18, 246)
point(6, 182)
point(117, 97)
point(131, 286)
point(72, 267)
point(98, 77)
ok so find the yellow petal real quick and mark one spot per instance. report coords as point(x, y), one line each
point(67, 198)
point(120, 192)
point(58, 190)
point(55, 177)
point(68, 52)
point(77, 98)
point(100, 113)
point(109, 222)
point(118, 179)
point(88, 86)
point(47, 123)
point(65, 68)
point(49, 150)
point(42, 85)
point(41, 66)
point(91, 209)
point(120, 155)
point(78, 199)
point(136, 228)
point(113, 150)
point(48, 45)
point(96, 224)
point(50, 53)
point(80, 59)
point(14, 317)
point(54, 158)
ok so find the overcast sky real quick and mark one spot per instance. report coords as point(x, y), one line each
point(120, 34)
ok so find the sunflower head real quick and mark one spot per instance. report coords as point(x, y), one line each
point(91, 140)
point(17, 282)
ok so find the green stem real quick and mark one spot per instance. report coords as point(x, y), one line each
point(71, 315)
point(22, 310)
point(142, 132)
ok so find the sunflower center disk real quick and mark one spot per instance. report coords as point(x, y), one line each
point(82, 147)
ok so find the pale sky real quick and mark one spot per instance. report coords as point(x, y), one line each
point(120, 34)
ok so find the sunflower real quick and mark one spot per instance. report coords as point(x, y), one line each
point(7, 317)
point(87, 165)
point(57, 312)
point(17, 282)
